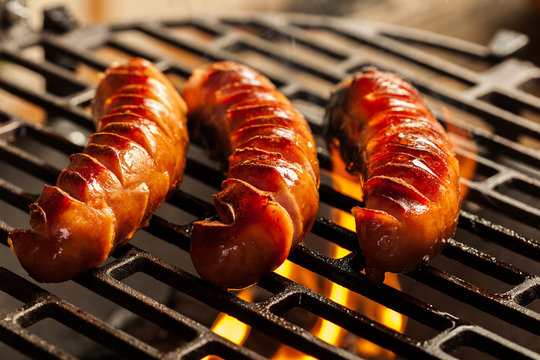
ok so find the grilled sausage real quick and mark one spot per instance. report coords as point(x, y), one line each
point(410, 176)
point(110, 189)
point(269, 201)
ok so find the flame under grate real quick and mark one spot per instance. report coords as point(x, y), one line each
point(491, 95)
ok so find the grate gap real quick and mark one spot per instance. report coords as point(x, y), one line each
point(471, 345)
point(531, 86)
point(514, 106)
point(520, 190)
point(273, 64)
point(494, 246)
point(144, 43)
point(217, 350)
point(87, 73)
point(12, 104)
point(51, 151)
point(471, 275)
point(173, 214)
point(448, 299)
point(455, 114)
point(25, 179)
point(72, 341)
point(506, 212)
point(109, 54)
point(29, 79)
point(453, 55)
point(201, 312)
point(482, 171)
point(194, 32)
point(296, 48)
point(321, 328)
point(534, 306)
point(9, 350)
point(9, 303)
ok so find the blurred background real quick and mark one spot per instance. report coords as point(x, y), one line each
point(475, 21)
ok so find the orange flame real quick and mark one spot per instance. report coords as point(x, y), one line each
point(231, 328)
point(348, 184)
point(325, 330)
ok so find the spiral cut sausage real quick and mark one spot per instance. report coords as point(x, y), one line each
point(410, 175)
point(110, 189)
point(270, 198)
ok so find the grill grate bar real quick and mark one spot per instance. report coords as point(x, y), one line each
point(42, 304)
point(487, 264)
point(15, 196)
point(315, 261)
point(487, 341)
point(32, 164)
point(286, 31)
point(134, 260)
point(517, 209)
point(352, 279)
point(30, 344)
point(53, 103)
point(59, 48)
point(49, 72)
point(398, 49)
point(210, 52)
point(496, 116)
point(50, 137)
point(500, 235)
point(481, 299)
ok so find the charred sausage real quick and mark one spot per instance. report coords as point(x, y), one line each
point(410, 175)
point(269, 200)
point(110, 189)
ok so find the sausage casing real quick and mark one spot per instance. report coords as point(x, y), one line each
point(110, 189)
point(410, 175)
point(270, 198)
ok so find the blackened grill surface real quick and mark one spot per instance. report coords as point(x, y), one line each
point(468, 87)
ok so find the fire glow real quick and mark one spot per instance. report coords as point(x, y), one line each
point(464, 146)
point(238, 332)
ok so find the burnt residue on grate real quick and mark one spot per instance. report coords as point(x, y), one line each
point(479, 298)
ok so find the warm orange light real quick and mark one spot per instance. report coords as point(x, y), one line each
point(328, 331)
point(348, 184)
point(296, 273)
point(231, 328)
point(325, 330)
point(465, 148)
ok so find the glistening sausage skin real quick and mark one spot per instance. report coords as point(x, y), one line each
point(110, 189)
point(410, 175)
point(270, 198)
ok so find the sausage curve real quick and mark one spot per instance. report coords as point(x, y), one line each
point(409, 173)
point(269, 200)
point(134, 161)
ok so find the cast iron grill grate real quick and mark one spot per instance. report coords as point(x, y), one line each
point(490, 94)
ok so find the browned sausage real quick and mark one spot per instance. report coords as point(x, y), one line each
point(410, 175)
point(110, 190)
point(270, 200)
